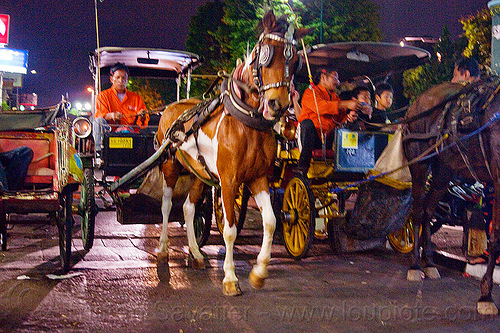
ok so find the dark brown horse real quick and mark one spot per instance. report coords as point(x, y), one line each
point(459, 126)
point(235, 144)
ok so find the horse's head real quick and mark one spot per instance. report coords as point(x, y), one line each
point(268, 70)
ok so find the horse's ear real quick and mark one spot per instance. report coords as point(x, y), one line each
point(301, 32)
point(269, 20)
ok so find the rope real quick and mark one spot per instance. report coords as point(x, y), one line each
point(322, 134)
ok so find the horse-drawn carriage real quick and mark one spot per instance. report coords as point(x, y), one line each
point(122, 149)
point(318, 205)
point(54, 175)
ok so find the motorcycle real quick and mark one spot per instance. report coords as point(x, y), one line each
point(460, 206)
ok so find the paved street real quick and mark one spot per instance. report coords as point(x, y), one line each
point(115, 287)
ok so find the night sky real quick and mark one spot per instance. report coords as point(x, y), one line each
point(59, 34)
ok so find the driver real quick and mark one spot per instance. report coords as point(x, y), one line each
point(118, 106)
point(332, 112)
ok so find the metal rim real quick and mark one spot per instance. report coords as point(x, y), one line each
point(298, 217)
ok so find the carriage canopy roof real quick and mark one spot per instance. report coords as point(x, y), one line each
point(145, 62)
point(353, 59)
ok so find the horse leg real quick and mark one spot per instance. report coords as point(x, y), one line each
point(170, 173)
point(189, 209)
point(419, 177)
point(486, 305)
point(259, 273)
point(230, 284)
point(441, 176)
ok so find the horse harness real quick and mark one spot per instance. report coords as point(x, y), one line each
point(461, 115)
point(233, 104)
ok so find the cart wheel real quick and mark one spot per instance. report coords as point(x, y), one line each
point(403, 240)
point(87, 209)
point(240, 208)
point(203, 218)
point(65, 225)
point(298, 217)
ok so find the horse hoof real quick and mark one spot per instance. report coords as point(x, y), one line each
point(414, 275)
point(197, 263)
point(162, 268)
point(194, 262)
point(162, 258)
point(487, 308)
point(256, 281)
point(231, 288)
point(432, 273)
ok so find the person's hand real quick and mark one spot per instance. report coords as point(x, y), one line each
point(142, 116)
point(295, 96)
point(366, 109)
point(349, 105)
point(352, 116)
point(115, 116)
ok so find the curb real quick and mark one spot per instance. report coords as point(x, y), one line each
point(460, 264)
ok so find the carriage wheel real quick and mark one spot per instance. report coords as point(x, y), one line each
point(240, 208)
point(203, 218)
point(87, 209)
point(403, 240)
point(65, 225)
point(298, 217)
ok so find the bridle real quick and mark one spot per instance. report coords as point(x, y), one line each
point(264, 54)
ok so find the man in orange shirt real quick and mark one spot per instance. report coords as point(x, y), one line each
point(119, 106)
point(332, 112)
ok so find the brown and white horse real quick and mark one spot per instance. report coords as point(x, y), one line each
point(464, 120)
point(235, 144)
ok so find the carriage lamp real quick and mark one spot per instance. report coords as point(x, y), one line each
point(82, 127)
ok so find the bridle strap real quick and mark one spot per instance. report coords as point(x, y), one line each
point(288, 41)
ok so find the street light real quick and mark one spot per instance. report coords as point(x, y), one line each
point(92, 104)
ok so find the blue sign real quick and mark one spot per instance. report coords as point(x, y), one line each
point(13, 61)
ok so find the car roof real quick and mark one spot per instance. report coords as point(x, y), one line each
point(145, 62)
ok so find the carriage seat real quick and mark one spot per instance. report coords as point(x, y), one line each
point(317, 154)
point(41, 170)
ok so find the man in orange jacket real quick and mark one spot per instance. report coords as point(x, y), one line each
point(322, 100)
point(119, 106)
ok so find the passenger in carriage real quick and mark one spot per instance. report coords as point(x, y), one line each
point(14, 168)
point(363, 94)
point(118, 106)
point(321, 100)
point(384, 95)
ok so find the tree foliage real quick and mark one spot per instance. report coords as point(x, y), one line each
point(477, 30)
point(439, 69)
point(475, 42)
point(237, 31)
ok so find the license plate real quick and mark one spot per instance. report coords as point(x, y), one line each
point(350, 140)
point(121, 143)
